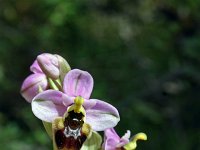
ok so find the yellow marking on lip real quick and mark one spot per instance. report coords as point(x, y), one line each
point(58, 124)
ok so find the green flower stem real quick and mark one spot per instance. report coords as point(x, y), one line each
point(55, 84)
point(58, 84)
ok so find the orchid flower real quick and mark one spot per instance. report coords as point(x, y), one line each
point(113, 142)
point(61, 99)
point(52, 106)
point(47, 68)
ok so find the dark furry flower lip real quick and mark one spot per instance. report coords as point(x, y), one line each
point(71, 131)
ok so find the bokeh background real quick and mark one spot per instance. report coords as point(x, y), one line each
point(144, 56)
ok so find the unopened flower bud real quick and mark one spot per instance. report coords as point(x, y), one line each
point(32, 85)
point(49, 65)
point(53, 66)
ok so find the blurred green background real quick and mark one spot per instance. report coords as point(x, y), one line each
point(144, 56)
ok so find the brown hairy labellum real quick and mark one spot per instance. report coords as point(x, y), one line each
point(73, 134)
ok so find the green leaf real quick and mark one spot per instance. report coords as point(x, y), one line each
point(93, 143)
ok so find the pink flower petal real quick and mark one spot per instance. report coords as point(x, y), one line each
point(49, 65)
point(30, 86)
point(48, 105)
point(111, 139)
point(35, 68)
point(102, 115)
point(124, 139)
point(78, 83)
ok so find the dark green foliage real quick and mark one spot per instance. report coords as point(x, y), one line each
point(143, 55)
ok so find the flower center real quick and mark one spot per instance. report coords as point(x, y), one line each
point(73, 124)
point(71, 136)
point(71, 131)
